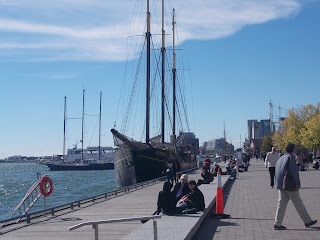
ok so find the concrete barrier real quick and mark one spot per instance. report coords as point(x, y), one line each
point(182, 226)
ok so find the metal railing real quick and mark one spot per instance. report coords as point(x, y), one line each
point(105, 196)
point(96, 223)
point(31, 197)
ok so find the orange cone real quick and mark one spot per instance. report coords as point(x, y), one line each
point(219, 200)
point(219, 197)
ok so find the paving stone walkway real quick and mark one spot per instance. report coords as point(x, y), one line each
point(251, 202)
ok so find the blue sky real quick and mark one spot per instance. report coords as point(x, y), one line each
point(242, 54)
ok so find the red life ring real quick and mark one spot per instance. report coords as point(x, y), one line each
point(44, 186)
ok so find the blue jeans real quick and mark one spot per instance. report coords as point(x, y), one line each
point(184, 205)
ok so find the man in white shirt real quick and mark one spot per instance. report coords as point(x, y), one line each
point(271, 161)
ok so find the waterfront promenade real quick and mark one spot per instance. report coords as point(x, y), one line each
point(249, 200)
point(136, 203)
point(252, 203)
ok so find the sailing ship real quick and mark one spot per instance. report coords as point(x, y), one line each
point(90, 158)
point(137, 161)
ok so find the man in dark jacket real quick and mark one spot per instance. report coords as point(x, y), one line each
point(196, 196)
point(285, 195)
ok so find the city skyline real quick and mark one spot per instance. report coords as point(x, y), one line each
point(241, 55)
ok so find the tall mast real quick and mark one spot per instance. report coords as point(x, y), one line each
point(224, 136)
point(82, 126)
point(100, 126)
point(64, 127)
point(173, 83)
point(148, 36)
point(271, 116)
point(163, 75)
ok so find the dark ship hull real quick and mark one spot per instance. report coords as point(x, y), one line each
point(132, 167)
point(75, 167)
point(137, 162)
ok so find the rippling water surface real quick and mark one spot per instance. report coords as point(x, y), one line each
point(17, 178)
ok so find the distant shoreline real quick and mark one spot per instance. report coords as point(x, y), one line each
point(6, 161)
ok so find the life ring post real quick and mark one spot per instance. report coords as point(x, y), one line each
point(46, 186)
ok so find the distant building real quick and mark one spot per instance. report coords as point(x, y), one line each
point(229, 149)
point(250, 125)
point(258, 130)
point(190, 139)
point(255, 144)
point(216, 146)
point(209, 146)
point(220, 146)
point(17, 158)
point(246, 144)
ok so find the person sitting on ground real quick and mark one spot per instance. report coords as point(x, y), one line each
point(166, 200)
point(206, 177)
point(181, 188)
point(231, 171)
point(193, 201)
point(215, 169)
point(207, 163)
point(316, 163)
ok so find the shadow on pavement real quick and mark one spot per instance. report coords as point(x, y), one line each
point(209, 226)
point(306, 229)
point(267, 219)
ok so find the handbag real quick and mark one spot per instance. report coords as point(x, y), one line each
point(288, 182)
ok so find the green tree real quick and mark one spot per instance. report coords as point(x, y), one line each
point(267, 144)
point(301, 127)
point(310, 135)
point(278, 139)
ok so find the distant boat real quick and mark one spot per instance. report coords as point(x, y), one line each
point(88, 164)
point(91, 158)
point(141, 161)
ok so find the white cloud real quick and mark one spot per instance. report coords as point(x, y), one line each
point(62, 76)
point(89, 33)
point(98, 29)
point(7, 3)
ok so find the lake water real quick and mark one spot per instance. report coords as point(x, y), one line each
point(17, 178)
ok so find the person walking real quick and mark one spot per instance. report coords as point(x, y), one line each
point(271, 161)
point(168, 171)
point(287, 163)
point(299, 161)
point(305, 161)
